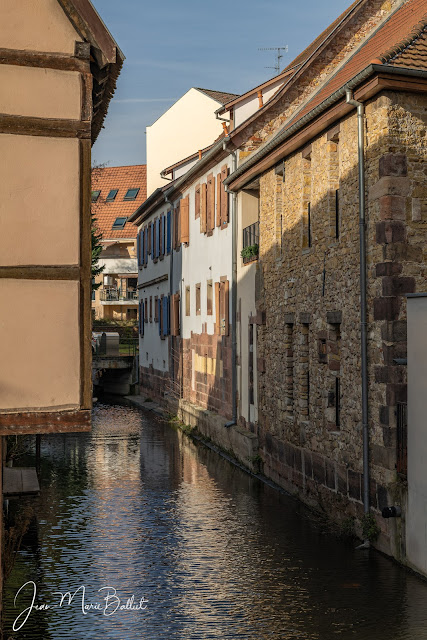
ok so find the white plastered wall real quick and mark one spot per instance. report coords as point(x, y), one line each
point(188, 125)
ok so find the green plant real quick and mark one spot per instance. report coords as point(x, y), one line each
point(347, 528)
point(370, 529)
point(249, 252)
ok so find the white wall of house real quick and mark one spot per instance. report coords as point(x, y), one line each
point(188, 125)
point(247, 211)
point(205, 258)
point(249, 105)
point(416, 517)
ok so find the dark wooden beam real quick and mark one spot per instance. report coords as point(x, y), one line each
point(49, 127)
point(44, 422)
point(43, 60)
point(36, 272)
point(85, 277)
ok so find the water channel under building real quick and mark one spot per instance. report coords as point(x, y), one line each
point(206, 550)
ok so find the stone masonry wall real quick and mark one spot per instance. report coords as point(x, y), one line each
point(310, 343)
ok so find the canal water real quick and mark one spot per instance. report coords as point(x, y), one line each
point(162, 539)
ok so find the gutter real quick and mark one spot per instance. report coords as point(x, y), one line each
point(362, 283)
point(316, 111)
point(233, 420)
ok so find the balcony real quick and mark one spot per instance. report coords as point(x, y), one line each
point(116, 296)
point(249, 252)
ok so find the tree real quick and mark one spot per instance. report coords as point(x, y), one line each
point(96, 235)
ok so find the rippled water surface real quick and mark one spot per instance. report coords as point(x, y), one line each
point(213, 553)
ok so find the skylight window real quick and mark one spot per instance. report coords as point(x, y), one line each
point(95, 195)
point(131, 194)
point(119, 223)
point(112, 195)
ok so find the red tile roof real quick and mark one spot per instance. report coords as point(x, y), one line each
point(412, 53)
point(121, 178)
point(382, 45)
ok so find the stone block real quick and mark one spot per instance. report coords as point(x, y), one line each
point(386, 308)
point(261, 365)
point(384, 415)
point(389, 437)
point(330, 474)
point(396, 393)
point(382, 497)
point(389, 232)
point(398, 286)
point(389, 374)
point(403, 252)
point(308, 463)
point(393, 164)
point(417, 214)
point(354, 484)
point(388, 269)
point(318, 468)
point(334, 317)
point(392, 208)
point(391, 352)
point(394, 331)
point(383, 456)
point(390, 186)
point(289, 318)
point(305, 317)
point(341, 472)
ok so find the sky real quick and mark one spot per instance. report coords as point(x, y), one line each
point(171, 46)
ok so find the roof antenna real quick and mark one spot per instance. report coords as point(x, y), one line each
point(279, 55)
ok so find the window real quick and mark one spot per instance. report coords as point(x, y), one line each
point(95, 195)
point(250, 243)
point(198, 305)
point(131, 194)
point(156, 308)
point(222, 306)
point(112, 195)
point(187, 301)
point(151, 308)
point(209, 297)
point(119, 223)
point(146, 310)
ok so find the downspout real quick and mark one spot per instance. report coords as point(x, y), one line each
point(171, 279)
point(233, 420)
point(363, 322)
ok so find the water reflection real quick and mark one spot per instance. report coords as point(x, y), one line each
point(136, 506)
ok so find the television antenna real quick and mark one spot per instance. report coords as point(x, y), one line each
point(279, 55)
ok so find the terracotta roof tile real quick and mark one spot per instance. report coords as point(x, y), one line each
point(381, 44)
point(412, 54)
point(121, 178)
point(219, 96)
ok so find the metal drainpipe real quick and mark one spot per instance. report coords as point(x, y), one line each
point(233, 421)
point(363, 323)
point(171, 277)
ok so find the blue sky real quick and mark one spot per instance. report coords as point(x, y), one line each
point(171, 46)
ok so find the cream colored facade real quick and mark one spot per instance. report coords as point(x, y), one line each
point(117, 297)
point(189, 124)
point(46, 130)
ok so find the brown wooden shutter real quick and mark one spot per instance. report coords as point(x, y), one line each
point(218, 200)
point(217, 313)
point(210, 204)
point(224, 197)
point(185, 220)
point(203, 204)
point(175, 328)
point(197, 202)
point(225, 286)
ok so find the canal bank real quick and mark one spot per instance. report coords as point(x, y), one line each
point(218, 554)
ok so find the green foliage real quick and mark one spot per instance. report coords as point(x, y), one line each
point(250, 252)
point(96, 238)
point(370, 529)
point(347, 528)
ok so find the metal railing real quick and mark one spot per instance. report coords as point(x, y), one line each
point(115, 295)
point(402, 438)
point(120, 345)
point(250, 242)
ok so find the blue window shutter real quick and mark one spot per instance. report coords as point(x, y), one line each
point(157, 238)
point(165, 317)
point(141, 247)
point(152, 240)
point(145, 245)
point(142, 319)
point(169, 315)
point(168, 233)
point(159, 315)
point(138, 247)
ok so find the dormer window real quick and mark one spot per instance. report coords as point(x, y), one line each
point(95, 195)
point(112, 195)
point(131, 194)
point(119, 223)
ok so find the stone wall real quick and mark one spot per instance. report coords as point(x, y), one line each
point(310, 388)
